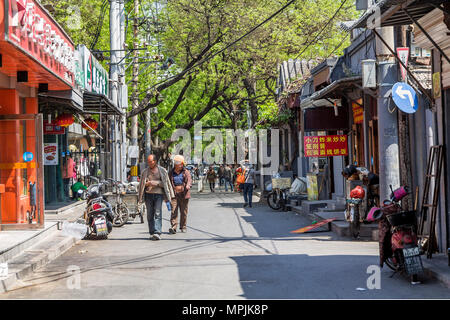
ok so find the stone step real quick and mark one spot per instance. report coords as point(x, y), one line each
point(23, 240)
point(34, 258)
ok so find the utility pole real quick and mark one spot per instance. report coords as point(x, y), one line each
point(123, 97)
point(135, 96)
point(114, 22)
point(387, 119)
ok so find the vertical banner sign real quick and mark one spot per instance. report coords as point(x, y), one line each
point(403, 55)
point(358, 112)
point(326, 146)
point(437, 85)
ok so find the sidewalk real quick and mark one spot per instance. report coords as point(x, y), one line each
point(436, 268)
point(25, 251)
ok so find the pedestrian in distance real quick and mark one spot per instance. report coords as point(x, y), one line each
point(221, 172)
point(211, 176)
point(181, 181)
point(156, 186)
point(228, 175)
point(249, 183)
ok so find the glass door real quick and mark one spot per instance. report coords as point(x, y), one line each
point(21, 174)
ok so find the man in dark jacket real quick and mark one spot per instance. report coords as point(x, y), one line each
point(181, 181)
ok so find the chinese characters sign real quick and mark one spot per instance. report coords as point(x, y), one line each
point(31, 28)
point(90, 74)
point(358, 112)
point(326, 146)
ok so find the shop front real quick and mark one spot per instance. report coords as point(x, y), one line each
point(35, 55)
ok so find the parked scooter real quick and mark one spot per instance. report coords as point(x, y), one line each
point(361, 198)
point(98, 214)
point(399, 248)
point(354, 213)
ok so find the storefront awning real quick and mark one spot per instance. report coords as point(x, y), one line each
point(98, 103)
point(331, 94)
point(393, 15)
point(65, 99)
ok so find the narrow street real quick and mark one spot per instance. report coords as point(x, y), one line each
point(228, 252)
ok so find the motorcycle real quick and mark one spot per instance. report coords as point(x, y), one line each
point(98, 214)
point(399, 248)
point(354, 213)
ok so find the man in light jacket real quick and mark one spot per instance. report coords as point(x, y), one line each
point(155, 185)
point(250, 182)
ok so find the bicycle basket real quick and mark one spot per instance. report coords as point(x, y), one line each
point(402, 218)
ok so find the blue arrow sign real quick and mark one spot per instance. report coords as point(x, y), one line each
point(405, 97)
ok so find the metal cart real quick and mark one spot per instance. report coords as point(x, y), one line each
point(135, 209)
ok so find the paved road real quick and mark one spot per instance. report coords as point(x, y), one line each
point(228, 253)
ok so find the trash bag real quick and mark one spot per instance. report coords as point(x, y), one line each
point(299, 186)
point(358, 193)
point(74, 229)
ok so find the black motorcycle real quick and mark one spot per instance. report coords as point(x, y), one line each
point(98, 214)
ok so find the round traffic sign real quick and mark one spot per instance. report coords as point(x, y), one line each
point(405, 97)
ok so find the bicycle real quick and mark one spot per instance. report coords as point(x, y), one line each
point(115, 198)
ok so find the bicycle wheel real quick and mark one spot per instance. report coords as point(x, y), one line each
point(273, 200)
point(121, 216)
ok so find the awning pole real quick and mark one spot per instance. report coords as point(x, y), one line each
point(424, 91)
point(427, 35)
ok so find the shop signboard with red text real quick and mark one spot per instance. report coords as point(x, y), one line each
point(31, 29)
point(52, 128)
point(326, 146)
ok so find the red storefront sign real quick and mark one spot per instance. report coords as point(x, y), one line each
point(31, 29)
point(326, 146)
point(358, 113)
point(52, 128)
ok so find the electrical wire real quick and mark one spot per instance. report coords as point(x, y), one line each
point(100, 24)
point(322, 30)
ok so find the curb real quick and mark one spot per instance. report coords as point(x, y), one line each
point(16, 249)
point(429, 270)
point(66, 208)
point(35, 258)
point(24, 259)
point(338, 228)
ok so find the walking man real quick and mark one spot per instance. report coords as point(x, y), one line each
point(228, 177)
point(211, 177)
point(250, 182)
point(181, 181)
point(156, 186)
point(221, 172)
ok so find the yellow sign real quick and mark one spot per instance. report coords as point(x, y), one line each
point(313, 191)
point(437, 85)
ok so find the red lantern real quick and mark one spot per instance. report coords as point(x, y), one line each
point(64, 120)
point(91, 123)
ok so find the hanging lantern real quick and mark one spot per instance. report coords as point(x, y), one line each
point(91, 123)
point(64, 120)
